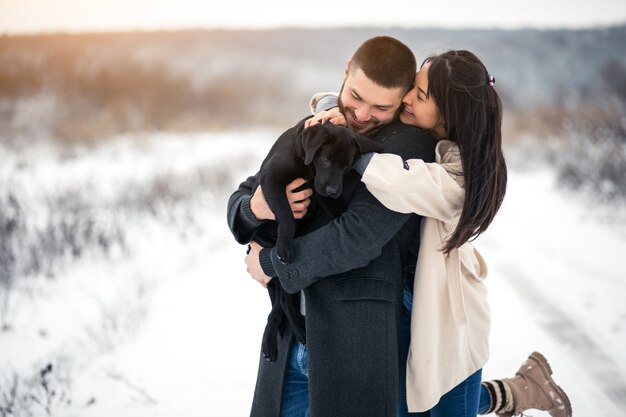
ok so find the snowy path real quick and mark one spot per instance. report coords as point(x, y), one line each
point(566, 307)
point(557, 284)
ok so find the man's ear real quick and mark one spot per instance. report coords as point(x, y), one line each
point(345, 75)
point(312, 139)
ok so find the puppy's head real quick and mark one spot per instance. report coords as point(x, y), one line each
point(333, 150)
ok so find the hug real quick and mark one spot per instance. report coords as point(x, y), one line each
point(392, 292)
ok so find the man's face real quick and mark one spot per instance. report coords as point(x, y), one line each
point(365, 104)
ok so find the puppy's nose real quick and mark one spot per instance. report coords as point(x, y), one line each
point(333, 191)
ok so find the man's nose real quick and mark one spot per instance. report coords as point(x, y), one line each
point(362, 114)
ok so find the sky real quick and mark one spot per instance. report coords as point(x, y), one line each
point(35, 16)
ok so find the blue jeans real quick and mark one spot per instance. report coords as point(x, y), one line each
point(295, 402)
point(467, 399)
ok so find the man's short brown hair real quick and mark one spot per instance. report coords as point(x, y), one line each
point(386, 61)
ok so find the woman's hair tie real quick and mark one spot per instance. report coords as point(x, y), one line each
point(491, 80)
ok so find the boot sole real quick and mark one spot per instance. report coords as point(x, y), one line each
point(547, 372)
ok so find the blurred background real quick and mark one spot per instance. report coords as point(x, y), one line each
point(125, 127)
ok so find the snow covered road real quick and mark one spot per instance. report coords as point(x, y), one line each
point(180, 345)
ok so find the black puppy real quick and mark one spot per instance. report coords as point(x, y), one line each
point(322, 154)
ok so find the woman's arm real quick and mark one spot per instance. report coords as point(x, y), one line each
point(325, 108)
point(413, 186)
point(346, 243)
point(359, 235)
point(323, 101)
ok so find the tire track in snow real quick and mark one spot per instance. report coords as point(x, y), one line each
point(602, 367)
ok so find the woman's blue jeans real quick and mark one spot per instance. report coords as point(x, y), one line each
point(295, 402)
point(467, 399)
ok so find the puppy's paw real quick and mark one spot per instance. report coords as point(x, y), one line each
point(270, 354)
point(269, 345)
point(300, 336)
point(284, 252)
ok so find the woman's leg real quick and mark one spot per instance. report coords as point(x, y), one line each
point(460, 401)
point(532, 387)
point(471, 397)
point(485, 400)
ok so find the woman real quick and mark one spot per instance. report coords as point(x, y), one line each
point(446, 305)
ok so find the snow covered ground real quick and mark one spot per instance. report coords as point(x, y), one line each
point(147, 327)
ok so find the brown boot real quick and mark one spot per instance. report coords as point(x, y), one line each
point(533, 387)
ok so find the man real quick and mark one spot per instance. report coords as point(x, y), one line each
point(350, 269)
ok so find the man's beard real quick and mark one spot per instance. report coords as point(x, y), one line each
point(342, 109)
point(349, 115)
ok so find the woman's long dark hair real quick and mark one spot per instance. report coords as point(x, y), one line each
point(471, 112)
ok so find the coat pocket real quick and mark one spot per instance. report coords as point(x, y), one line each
point(472, 263)
point(364, 289)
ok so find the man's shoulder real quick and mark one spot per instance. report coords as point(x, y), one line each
point(407, 141)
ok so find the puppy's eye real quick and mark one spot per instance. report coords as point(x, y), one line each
point(325, 161)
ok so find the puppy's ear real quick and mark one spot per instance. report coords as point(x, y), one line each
point(299, 129)
point(362, 143)
point(365, 144)
point(312, 139)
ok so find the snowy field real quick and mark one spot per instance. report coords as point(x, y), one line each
point(137, 317)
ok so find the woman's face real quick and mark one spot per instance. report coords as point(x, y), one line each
point(419, 107)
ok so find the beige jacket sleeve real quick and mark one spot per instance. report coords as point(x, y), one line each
point(320, 97)
point(429, 189)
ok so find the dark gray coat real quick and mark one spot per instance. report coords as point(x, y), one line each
point(351, 270)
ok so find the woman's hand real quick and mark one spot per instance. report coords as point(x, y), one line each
point(333, 115)
point(299, 201)
point(253, 265)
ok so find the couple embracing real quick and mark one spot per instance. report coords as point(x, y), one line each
point(396, 312)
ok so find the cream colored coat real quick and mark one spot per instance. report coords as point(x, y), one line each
point(450, 319)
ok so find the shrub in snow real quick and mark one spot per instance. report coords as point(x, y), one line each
point(594, 154)
point(45, 391)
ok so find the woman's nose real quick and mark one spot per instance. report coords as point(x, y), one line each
point(407, 97)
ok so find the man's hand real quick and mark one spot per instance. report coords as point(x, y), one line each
point(253, 266)
point(299, 201)
point(334, 115)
